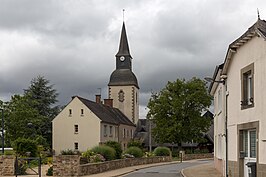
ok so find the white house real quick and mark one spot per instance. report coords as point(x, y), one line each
point(239, 91)
point(83, 124)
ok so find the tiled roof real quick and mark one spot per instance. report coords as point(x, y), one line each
point(106, 113)
point(258, 28)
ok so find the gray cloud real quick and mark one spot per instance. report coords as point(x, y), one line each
point(73, 43)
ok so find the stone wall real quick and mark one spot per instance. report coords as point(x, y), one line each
point(197, 156)
point(66, 165)
point(261, 170)
point(69, 165)
point(94, 168)
point(7, 165)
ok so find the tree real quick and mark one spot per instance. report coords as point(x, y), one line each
point(176, 111)
point(19, 113)
point(44, 97)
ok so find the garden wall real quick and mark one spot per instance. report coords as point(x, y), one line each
point(197, 156)
point(7, 167)
point(68, 165)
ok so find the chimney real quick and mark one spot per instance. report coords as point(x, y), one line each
point(98, 98)
point(108, 102)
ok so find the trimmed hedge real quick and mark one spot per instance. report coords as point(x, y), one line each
point(107, 152)
point(135, 151)
point(162, 151)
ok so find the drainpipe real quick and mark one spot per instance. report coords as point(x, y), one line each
point(224, 77)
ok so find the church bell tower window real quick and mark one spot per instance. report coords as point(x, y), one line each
point(121, 96)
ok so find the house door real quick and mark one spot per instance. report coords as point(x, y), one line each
point(250, 149)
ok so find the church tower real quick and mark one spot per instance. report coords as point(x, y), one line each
point(123, 85)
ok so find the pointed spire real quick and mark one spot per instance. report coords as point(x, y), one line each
point(123, 47)
point(258, 13)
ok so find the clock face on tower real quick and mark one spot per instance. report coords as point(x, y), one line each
point(122, 58)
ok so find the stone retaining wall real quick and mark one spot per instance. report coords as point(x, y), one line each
point(94, 168)
point(66, 165)
point(69, 165)
point(7, 167)
point(197, 156)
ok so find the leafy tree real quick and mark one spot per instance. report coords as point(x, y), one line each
point(176, 111)
point(19, 113)
point(44, 97)
point(22, 146)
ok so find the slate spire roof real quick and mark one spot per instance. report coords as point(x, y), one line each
point(123, 76)
point(123, 46)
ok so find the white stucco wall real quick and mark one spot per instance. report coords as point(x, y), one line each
point(130, 103)
point(254, 51)
point(63, 128)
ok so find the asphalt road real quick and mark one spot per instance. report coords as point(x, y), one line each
point(172, 170)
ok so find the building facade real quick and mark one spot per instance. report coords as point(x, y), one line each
point(240, 101)
point(83, 124)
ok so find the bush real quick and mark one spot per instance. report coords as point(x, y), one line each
point(107, 152)
point(162, 151)
point(23, 146)
point(135, 151)
point(135, 143)
point(117, 148)
point(69, 152)
point(50, 171)
point(148, 154)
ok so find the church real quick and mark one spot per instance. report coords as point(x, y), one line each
point(83, 123)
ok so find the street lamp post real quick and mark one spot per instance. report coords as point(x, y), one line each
point(3, 137)
point(223, 81)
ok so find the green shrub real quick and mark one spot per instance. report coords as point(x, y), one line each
point(135, 151)
point(50, 171)
point(148, 154)
point(107, 152)
point(162, 151)
point(87, 154)
point(117, 148)
point(135, 143)
point(23, 146)
point(9, 152)
point(68, 152)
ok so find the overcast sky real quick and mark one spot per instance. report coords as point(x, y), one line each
point(73, 43)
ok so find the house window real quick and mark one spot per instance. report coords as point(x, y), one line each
point(76, 129)
point(247, 86)
point(105, 130)
point(219, 100)
point(76, 146)
point(82, 112)
point(131, 133)
point(70, 112)
point(124, 133)
point(127, 133)
point(116, 132)
point(111, 130)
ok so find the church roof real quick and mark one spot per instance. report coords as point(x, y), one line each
point(122, 77)
point(123, 46)
point(106, 113)
point(258, 28)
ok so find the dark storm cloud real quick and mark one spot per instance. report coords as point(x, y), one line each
point(73, 43)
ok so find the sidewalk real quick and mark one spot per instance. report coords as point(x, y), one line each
point(205, 170)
